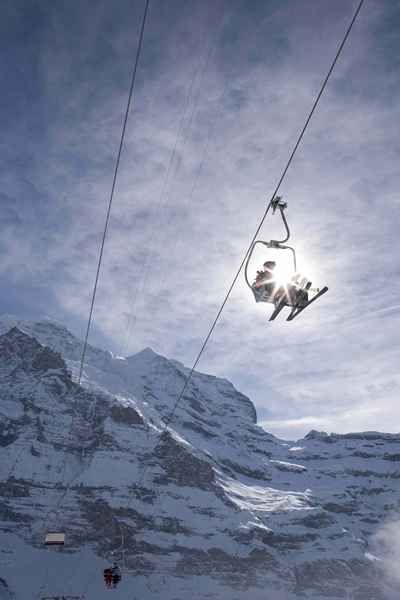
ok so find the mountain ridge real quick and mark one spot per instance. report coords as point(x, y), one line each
point(224, 507)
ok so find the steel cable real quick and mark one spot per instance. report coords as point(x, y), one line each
point(282, 177)
point(114, 180)
point(236, 276)
point(108, 213)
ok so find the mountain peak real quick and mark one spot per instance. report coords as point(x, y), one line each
point(146, 353)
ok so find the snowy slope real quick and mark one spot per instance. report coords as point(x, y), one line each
point(216, 507)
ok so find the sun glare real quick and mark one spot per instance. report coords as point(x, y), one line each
point(283, 274)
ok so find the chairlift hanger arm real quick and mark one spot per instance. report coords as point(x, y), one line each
point(278, 203)
point(248, 261)
point(271, 244)
point(286, 226)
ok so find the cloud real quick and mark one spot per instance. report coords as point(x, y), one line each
point(386, 550)
point(361, 418)
point(223, 90)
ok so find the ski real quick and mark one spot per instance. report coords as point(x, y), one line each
point(297, 311)
point(281, 304)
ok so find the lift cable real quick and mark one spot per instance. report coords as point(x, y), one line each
point(114, 180)
point(282, 177)
point(171, 415)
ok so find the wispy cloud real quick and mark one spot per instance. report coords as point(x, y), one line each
point(223, 90)
point(386, 550)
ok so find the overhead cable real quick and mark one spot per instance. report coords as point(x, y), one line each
point(114, 180)
point(282, 177)
point(280, 180)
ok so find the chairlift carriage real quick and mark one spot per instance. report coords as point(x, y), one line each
point(295, 292)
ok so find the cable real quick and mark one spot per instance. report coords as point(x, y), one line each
point(114, 180)
point(225, 300)
point(138, 53)
point(61, 500)
point(282, 177)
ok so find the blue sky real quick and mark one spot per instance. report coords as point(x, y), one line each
point(223, 89)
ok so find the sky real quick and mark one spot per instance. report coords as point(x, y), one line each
point(223, 89)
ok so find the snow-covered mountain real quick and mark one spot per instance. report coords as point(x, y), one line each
point(214, 507)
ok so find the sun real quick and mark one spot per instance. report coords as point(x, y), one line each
point(283, 274)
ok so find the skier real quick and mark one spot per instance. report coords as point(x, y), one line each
point(265, 279)
point(297, 293)
point(116, 575)
point(301, 298)
point(108, 577)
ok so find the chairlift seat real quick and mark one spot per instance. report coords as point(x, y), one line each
point(54, 539)
point(261, 294)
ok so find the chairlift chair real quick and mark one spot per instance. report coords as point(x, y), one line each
point(112, 575)
point(296, 293)
point(54, 539)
